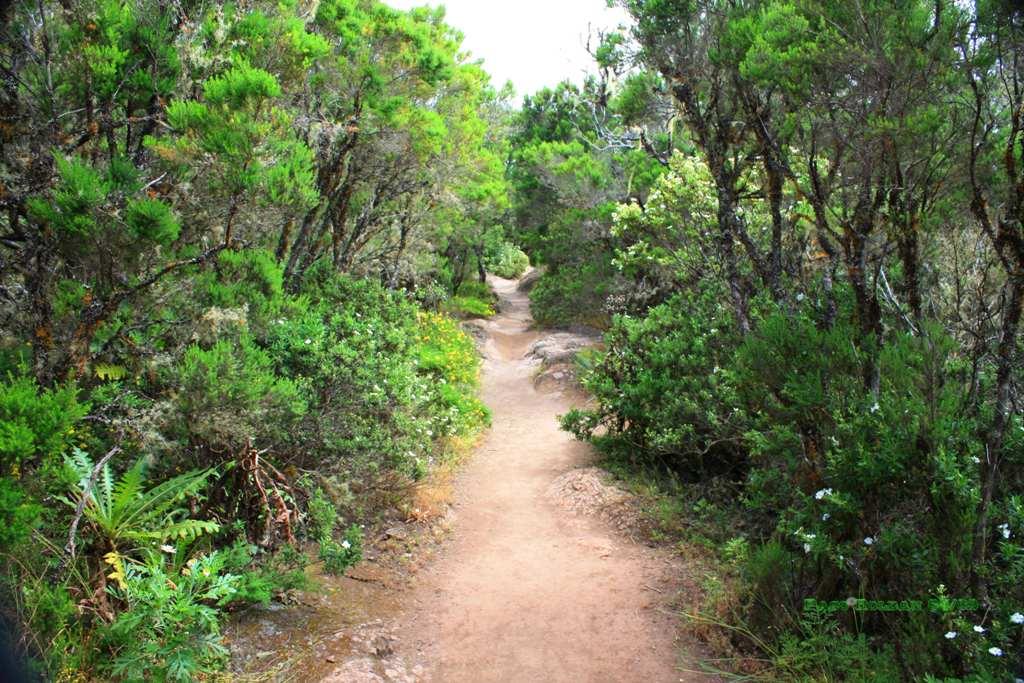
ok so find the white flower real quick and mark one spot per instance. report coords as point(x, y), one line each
point(995, 652)
point(875, 408)
point(1017, 618)
point(800, 297)
point(822, 493)
point(979, 629)
point(346, 545)
point(308, 342)
point(1004, 529)
point(869, 541)
point(950, 635)
point(169, 549)
point(825, 517)
point(975, 460)
point(807, 547)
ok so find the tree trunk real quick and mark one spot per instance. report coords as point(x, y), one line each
point(1014, 296)
point(726, 226)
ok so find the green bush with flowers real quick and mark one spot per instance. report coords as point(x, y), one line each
point(840, 491)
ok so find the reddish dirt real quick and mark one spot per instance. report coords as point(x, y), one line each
point(527, 590)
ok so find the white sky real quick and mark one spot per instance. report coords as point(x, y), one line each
point(533, 43)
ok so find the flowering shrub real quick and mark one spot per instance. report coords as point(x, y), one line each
point(844, 492)
point(448, 356)
point(337, 557)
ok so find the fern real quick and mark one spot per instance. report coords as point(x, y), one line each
point(127, 513)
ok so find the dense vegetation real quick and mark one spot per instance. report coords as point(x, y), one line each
point(812, 286)
point(228, 231)
point(234, 239)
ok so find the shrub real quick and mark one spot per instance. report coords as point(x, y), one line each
point(507, 261)
point(844, 491)
point(35, 424)
point(473, 300)
point(573, 294)
point(448, 356)
point(322, 515)
point(664, 391)
point(230, 395)
point(171, 627)
point(338, 557)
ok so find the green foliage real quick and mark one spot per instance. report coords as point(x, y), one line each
point(507, 261)
point(171, 629)
point(80, 193)
point(230, 394)
point(225, 215)
point(127, 515)
point(35, 424)
point(261, 576)
point(19, 515)
point(843, 485)
point(473, 300)
point(450, 359)
point(322, 515)
point(153, 220)
point(469, 306)
point(338, 557)
point(822, 650)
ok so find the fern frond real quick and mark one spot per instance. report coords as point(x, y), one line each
point(127, 492)
point(186, 530)
point(104, 496)
point(80, 465)
point(158, 503)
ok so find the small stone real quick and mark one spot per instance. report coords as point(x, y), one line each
point(383, 646)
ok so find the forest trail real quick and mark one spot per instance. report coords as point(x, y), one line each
point(525, 590)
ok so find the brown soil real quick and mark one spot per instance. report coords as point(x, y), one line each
point(530, 589)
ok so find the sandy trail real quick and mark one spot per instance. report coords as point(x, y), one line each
point(526, 591)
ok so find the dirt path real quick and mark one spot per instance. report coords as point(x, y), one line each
point(527, 591)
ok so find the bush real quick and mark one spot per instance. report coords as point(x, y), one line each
point(322, 515)
point(449, 358)
point(655, 396)
point(230, 395)
point(573, 294)
point(507, 261)
point(338, 557)
point(171, 627)
point(35, 424)
point(473, 300)
point(843, 491)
